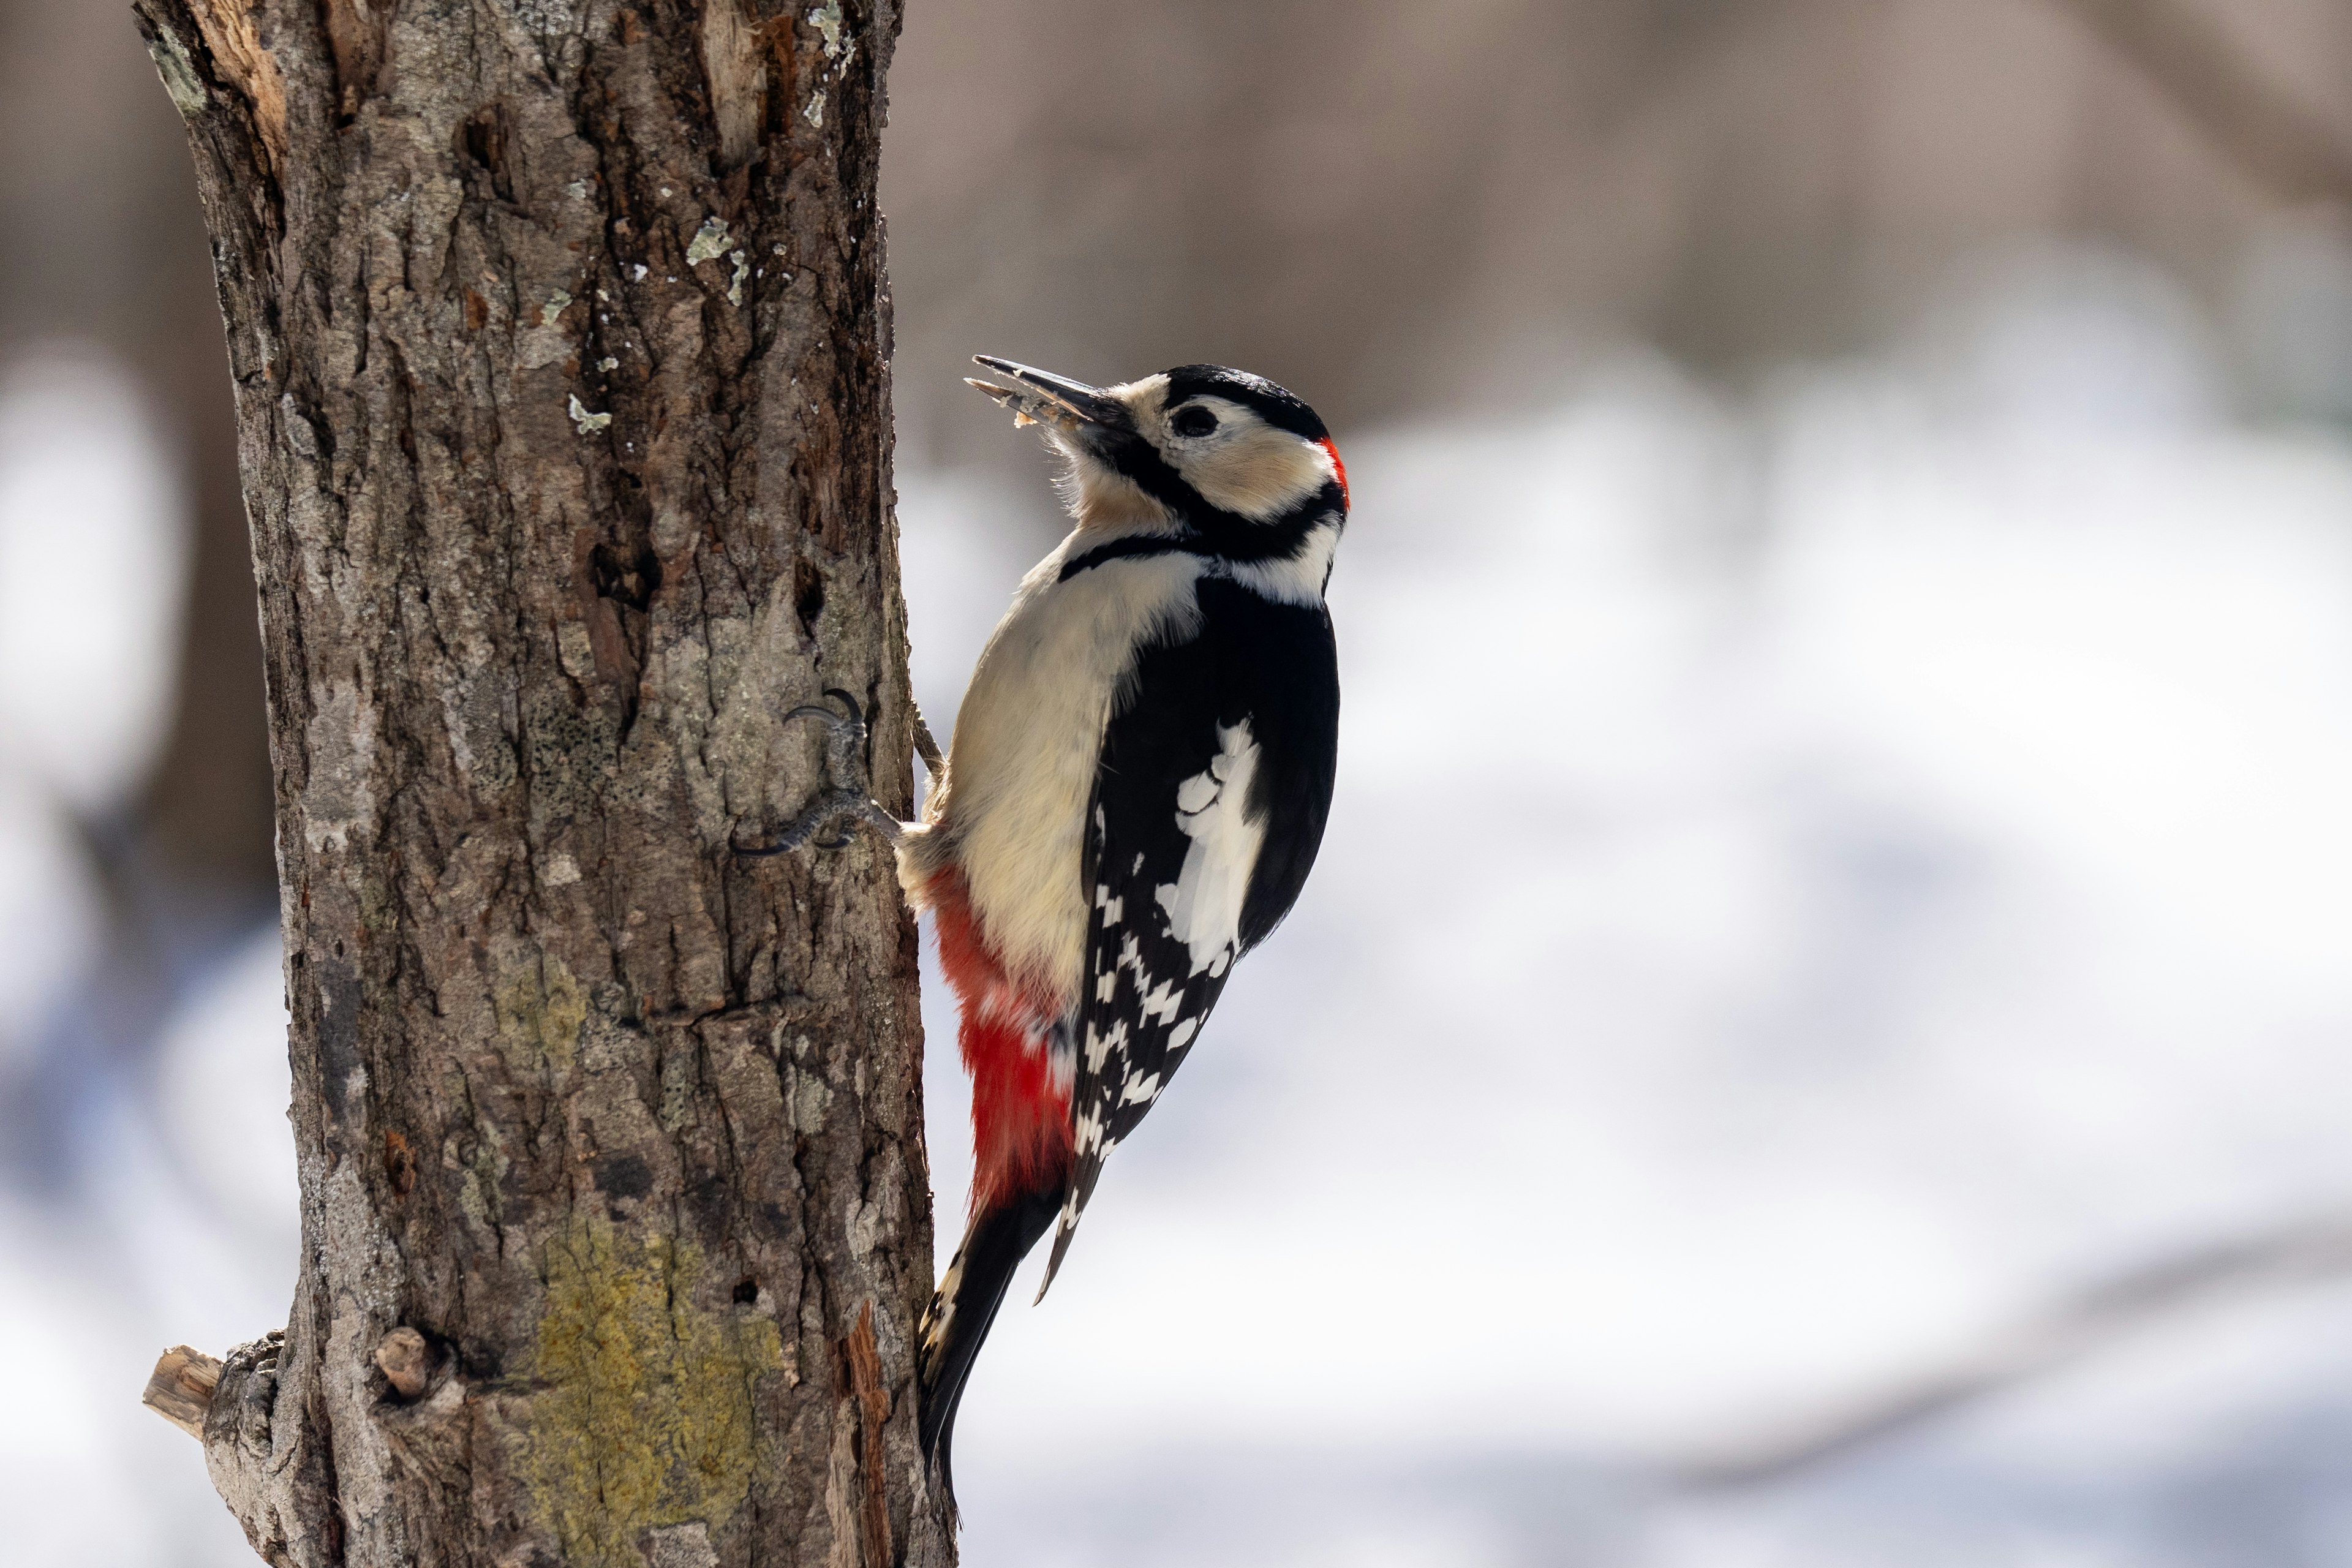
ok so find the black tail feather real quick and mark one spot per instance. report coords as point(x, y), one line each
point(965, 1308)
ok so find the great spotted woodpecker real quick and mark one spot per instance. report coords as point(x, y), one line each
point(1135, 791)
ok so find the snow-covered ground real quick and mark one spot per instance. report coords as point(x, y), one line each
point(1815, 881)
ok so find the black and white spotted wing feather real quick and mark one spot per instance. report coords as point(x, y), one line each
point(1209, 804)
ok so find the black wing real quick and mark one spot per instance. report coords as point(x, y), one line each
point(1208, 804)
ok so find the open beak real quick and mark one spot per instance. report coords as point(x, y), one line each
point(1041, 397)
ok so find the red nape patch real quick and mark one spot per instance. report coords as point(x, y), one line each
point(1338, 467)
point(1019, 1120)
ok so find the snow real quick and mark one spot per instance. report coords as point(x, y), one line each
point(94, 529)
point(221, 1093)
point(49, 914)
point(61, 1440)
point(94, 535)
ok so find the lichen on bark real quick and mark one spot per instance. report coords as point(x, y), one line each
point(646, 1416)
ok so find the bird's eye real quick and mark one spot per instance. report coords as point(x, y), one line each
point(1194, 421)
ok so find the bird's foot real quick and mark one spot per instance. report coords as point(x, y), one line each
point(831, 820)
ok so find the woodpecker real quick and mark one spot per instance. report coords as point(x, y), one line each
point(1132, 798)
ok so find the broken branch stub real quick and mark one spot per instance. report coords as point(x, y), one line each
point(181, 1388)
point(405, 1361)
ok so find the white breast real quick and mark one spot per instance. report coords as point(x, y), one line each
point(1021, 769)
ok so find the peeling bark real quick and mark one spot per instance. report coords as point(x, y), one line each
point(559, 333)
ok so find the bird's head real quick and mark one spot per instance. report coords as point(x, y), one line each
point(1219, 452)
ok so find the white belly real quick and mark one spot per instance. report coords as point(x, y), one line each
point(1021, 769)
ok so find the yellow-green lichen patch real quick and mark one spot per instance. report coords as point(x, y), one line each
point(539, 1008)
point(641, 1410)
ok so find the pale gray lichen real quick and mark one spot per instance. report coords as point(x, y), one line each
point(826, 19)
point(556, 301)
point(807, 1098)
point(710, 243)
point(742, 270)
point(573, 652)
point(608, 364)
point(683, 1545)
point(814, 112)
point(589, 423)
point(549, 18)
point(179, 73)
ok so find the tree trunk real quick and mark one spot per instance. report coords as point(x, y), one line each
point(560, 335)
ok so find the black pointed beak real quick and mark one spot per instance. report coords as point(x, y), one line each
point(1043, 396)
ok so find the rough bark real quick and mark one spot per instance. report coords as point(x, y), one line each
point(559, 335)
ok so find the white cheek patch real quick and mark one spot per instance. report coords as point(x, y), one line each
point(1204, 903)
point(1255, 471)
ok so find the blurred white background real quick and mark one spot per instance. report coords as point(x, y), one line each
point(1821, 1034)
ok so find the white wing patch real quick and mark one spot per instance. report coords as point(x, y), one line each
point(1204, 903)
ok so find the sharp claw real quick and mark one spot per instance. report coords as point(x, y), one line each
point(822, 813)
point(844, 757)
